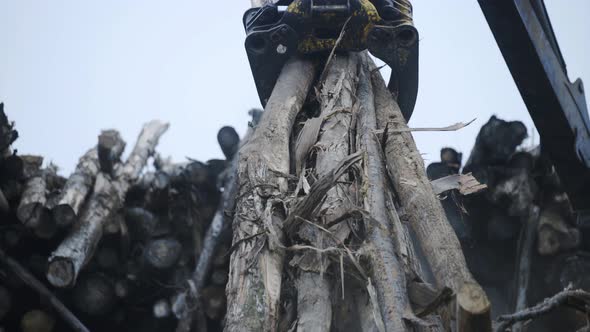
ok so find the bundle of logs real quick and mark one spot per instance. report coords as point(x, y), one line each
point(322, 218)
point(336, 226)
point(520, 237)
point(116, 245)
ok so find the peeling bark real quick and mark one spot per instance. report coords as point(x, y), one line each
point(387, 272)
point(254, 286)
point(422, 208)
point(313, 297)
point(7, 133)
point(76, 189)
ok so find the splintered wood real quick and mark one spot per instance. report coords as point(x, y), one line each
point(318, 189)
point(321, 219)
point(254, 286)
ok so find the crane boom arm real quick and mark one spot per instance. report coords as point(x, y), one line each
point(558, 108)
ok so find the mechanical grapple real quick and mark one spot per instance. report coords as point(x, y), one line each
point(284, 28)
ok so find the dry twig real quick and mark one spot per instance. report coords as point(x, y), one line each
point(575, 298)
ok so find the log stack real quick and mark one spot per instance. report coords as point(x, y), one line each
point(111, 246)
point(321, 219)
point(520, 237)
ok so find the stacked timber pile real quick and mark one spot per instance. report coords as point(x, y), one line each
point(520, 237)
point(321, 219)
point(114, 246)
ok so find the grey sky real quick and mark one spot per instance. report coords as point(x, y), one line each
point(70, 68)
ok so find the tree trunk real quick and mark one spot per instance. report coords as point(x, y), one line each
point(314, 300)
point(256, 266)
point(303, 198)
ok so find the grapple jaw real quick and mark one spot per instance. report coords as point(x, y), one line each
point(384, 27)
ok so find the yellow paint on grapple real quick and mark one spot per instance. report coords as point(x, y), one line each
point(355, 38)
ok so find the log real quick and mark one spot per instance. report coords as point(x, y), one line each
point(78, 247)
point(121, 288)
point(12, 190)
point(253, 292)
point(525, 249)
point(108, 196)
point(76, 189)
point(473, 309)
point(162, 254)
point(30, 166)
point(229, 141)
point(31, 209)
point(386, 270)
point(110, 149)
point(4, 204)
point(94, 295)
point(144, 148)
point(518, 189)
point(261, 3)
point(214, 306)
point(141, 222)
point(219, 277)
point(162, 309)
point(107, 258)
point(12, 168)
point(37, 321)
point(12, 237)
point(555, 234)
point(5, 302)
point(496, 142)
point(207, 254)
point(196, 173)
point(422, 208)
point(7, 133)
point(314, 302)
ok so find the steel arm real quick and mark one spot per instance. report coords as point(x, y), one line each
point(558, 108)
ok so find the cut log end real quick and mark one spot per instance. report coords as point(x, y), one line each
point(162, 309)
point(473, 309)
point(61, 272)
point(163, 253)
point(110, 148)
point(229, 141)
point(37, 218)
point(64, 215)
point(30, 214)
point(37, 321)
point(94, 295)
point(47, 227)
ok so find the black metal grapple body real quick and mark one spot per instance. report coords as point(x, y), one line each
point(305, 27)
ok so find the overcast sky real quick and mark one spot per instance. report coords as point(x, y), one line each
point(69, 68)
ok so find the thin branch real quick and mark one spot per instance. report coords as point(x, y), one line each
point(569, 297)
point(454, 127)
point(327, 66)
